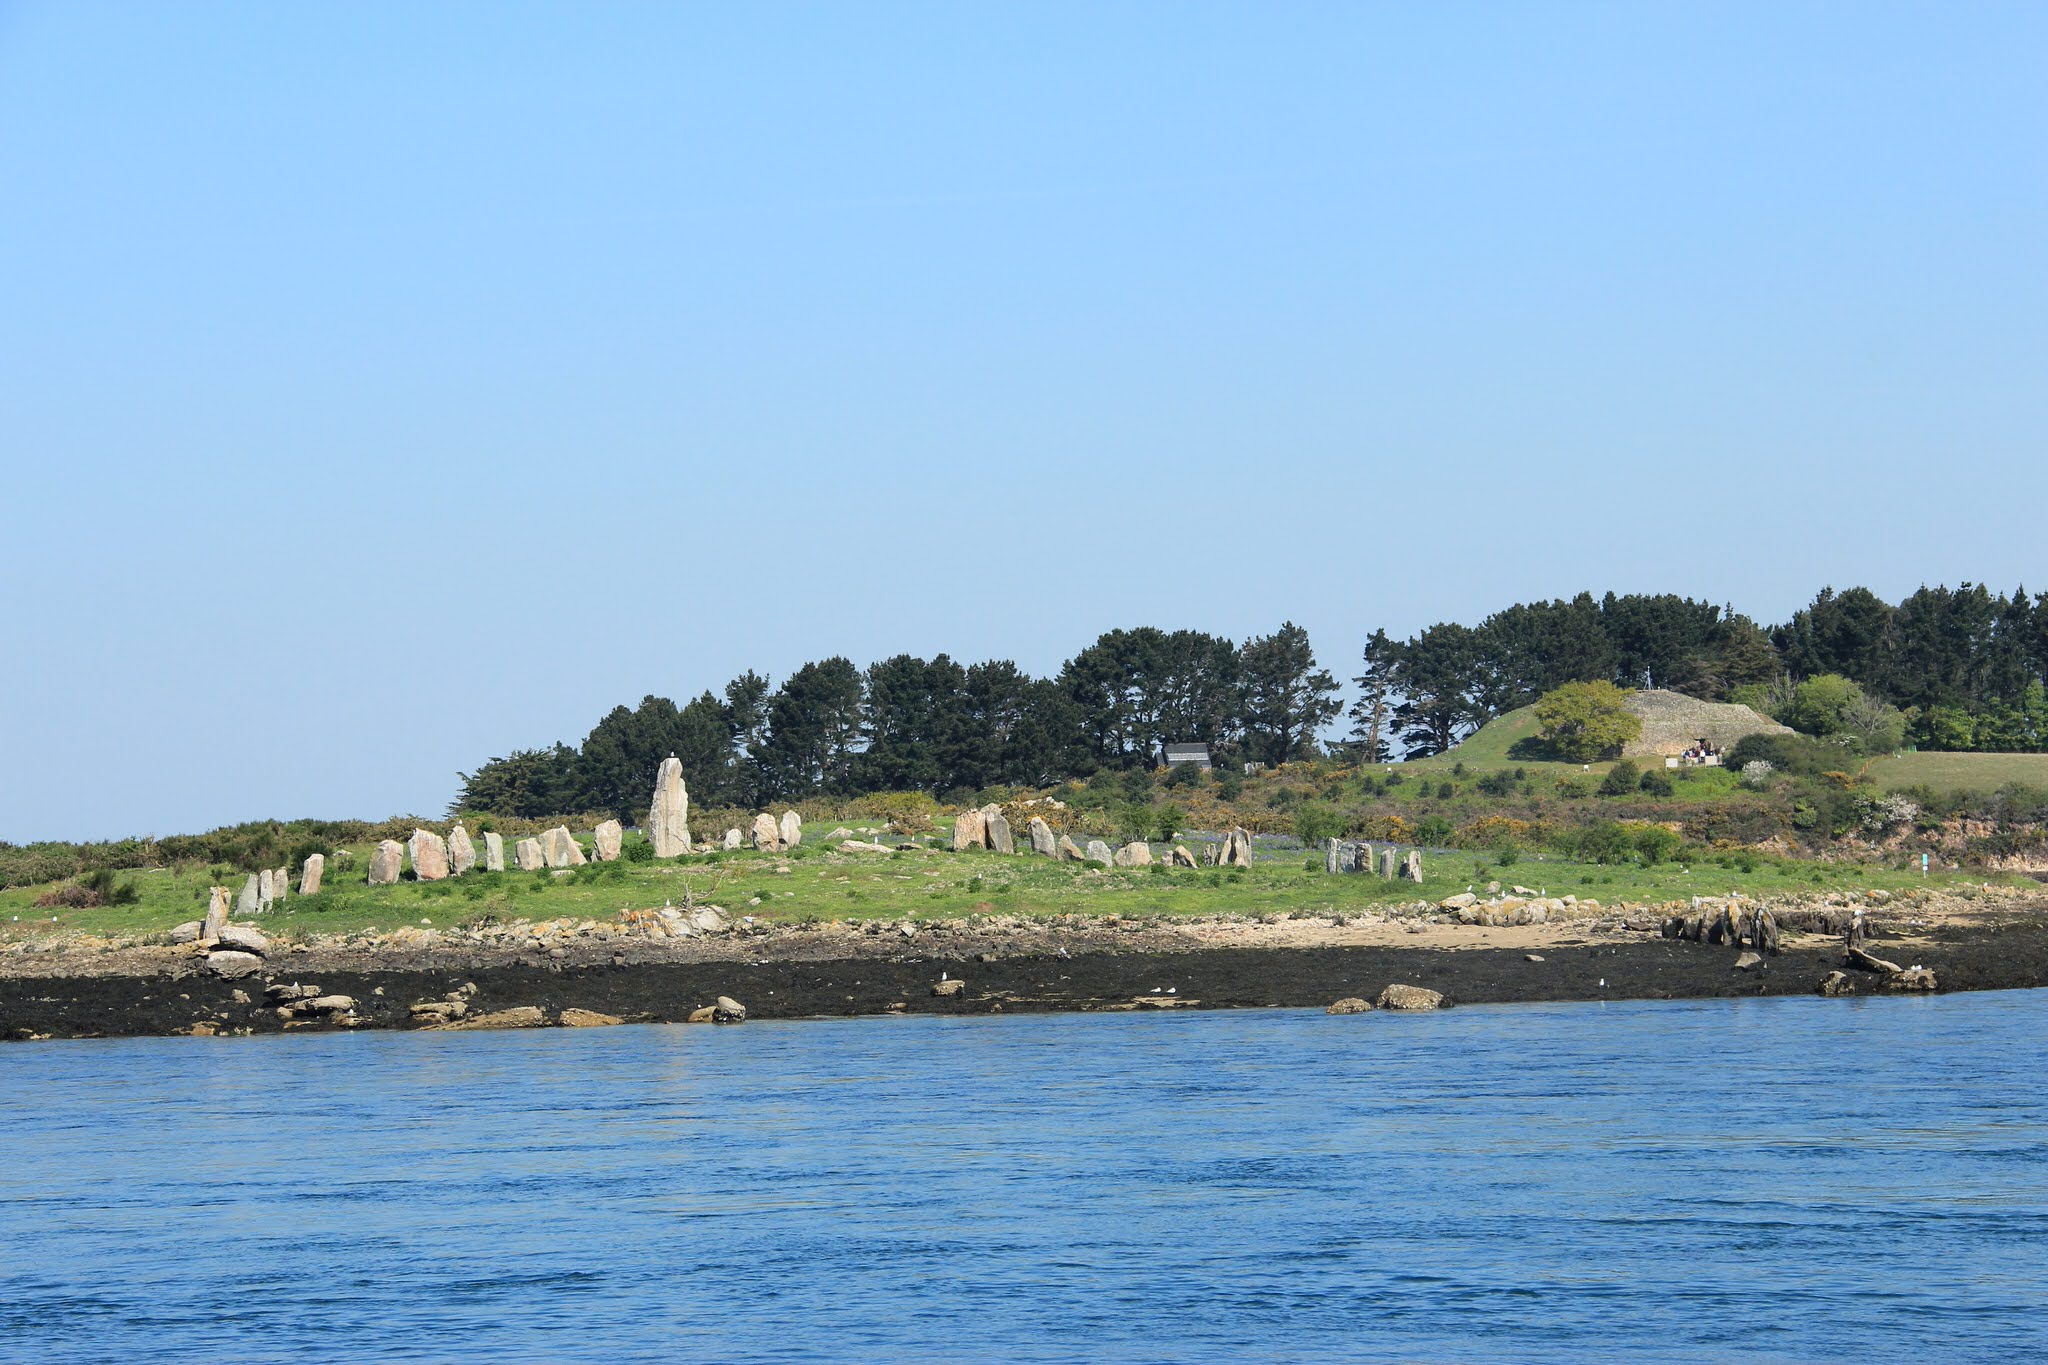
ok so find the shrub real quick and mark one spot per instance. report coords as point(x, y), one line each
point(1167, 822)
point(1315, 822)
point(1445, 791)
point(1500, 782)
point(1621, 779)
point(1756, 774)
point(1656, 782)
point(1656, 844)
point(1433, 830)
point(1574, 788)
point(640, 851)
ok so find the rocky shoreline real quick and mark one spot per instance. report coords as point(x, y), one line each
point(640, 970)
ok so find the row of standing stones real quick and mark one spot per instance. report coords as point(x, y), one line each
point(433, 858)
point(988, 828)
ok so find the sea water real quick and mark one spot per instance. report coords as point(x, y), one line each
point(1720, 1180)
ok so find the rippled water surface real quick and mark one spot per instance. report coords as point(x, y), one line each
point(1762, 1180)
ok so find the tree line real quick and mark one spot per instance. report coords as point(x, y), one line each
point(1966, 667)
point(935, 725)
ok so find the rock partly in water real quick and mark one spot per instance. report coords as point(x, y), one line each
point(386, 862)
point(1349, 1005)
point(729, 1011)
point(575, 1018)
point(519, 1016)
point(1404, 997)
point(1914, 978)
point(1838, 983)
point(668, 815)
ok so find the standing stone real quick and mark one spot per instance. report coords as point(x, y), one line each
point(494, 852)
point(266, 889)
point(1098, 852)
point(1237, 848)
point(309, 876)
point(1411, 866)
point(1134, 854)
point(429, 855)
point(216, 916)
point(1067, 851)
point(767, 834)
point(562, 848)
point(280, 884)
point(1387, 864)
point(250, 902)
point(970, 830)
point(1333, 857)
point(999, 834)
point(1212, 854)
point(530, 855)
point(1364, 861)
point(791, 828)
point(668, 818)
point(605, 841)
point(461, 852)
point(733, 839)
point(1180, 857)
point(385, 862)
point(1042, 842)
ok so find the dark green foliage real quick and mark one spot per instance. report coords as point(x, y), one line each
point(1499, 782)
point(1621, 779)
point(1434, 830)
point(1285, 697)
point(1446, 790)
point(1656, 782)
point(639, 851)
point(1314, 822)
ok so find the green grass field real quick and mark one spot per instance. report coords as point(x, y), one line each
point(1960, 772)
point(815, 883)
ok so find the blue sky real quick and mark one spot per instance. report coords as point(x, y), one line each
point(387, 386)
